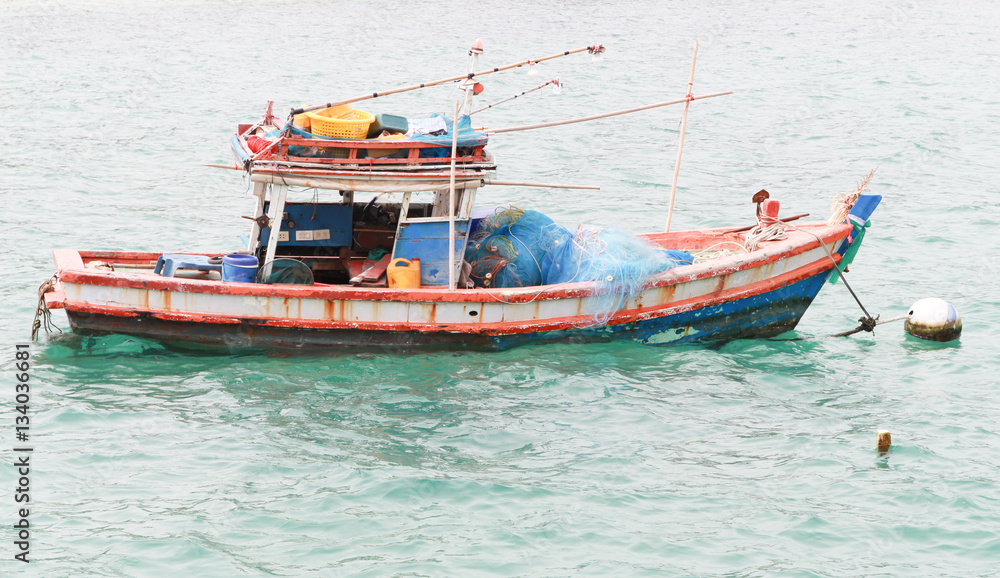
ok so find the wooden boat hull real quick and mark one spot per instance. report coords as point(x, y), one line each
point(761, 316)
point(761, 294)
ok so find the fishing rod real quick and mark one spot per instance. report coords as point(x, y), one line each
point(604, 115)
point(554, 81)
point(595, 49)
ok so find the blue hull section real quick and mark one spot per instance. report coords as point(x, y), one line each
point(764, 315)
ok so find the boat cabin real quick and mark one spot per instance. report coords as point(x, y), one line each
point(347, 207)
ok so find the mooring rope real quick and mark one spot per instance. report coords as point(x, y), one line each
point(867, 322)
point(43, 317)
point(767, 229)
point(863, 326)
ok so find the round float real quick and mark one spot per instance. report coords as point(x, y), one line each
point(933, 319)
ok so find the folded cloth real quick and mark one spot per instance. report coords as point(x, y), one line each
point(466, 136)
point(435, 125)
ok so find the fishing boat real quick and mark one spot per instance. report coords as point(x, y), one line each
point(341, 271)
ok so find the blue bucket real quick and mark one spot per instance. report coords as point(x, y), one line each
point(239, 268)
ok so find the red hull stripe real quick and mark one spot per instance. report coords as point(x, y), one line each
point(499, 328)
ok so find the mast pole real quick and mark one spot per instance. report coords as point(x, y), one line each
point(452, 282)
point(469, 90)
point(680, 144)
point(468, 85)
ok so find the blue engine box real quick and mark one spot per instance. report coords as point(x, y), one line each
point(313, 225)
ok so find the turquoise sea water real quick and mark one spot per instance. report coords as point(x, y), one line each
point(751, 458)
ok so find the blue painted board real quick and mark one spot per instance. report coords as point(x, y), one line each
point(860, 212)
point(864, 207)
point(315, 225)
point(429, 243)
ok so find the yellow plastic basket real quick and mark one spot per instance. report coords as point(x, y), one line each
point(352, 124)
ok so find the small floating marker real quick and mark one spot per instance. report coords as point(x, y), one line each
point(883, 439)
point(933, 319)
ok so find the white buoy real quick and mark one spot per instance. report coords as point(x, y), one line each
point(933, 319)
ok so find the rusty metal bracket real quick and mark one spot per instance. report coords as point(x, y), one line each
point(262, 221)
point(759, 197)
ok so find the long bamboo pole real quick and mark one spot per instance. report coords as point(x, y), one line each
point(452, 282)
point(680, 144)
point(594, 48)
point(605, 115)
point(541, 185)
point(457, 185)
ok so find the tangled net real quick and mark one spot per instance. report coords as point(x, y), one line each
point(620, 263)
point(508, 248)
point(518, 248)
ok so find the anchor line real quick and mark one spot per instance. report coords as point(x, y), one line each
point(867, 322)
point(862, 326)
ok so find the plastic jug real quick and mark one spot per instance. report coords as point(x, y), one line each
point(403, 273)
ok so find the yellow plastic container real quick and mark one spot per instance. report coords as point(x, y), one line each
point(302, 120)
point(379, 153)
point(404, 274)
point(340, 122)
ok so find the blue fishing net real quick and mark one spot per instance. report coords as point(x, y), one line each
point(517, 248)
point(619, 262)
point(507, 248)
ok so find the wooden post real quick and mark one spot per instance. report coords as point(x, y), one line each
point(680, 144)
point(469, 83)
point(883, 439)
point(452, 282)
point(278, 194)
point(254, 241)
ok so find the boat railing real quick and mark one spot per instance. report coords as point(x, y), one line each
point(357, 151)
point(337, 153)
